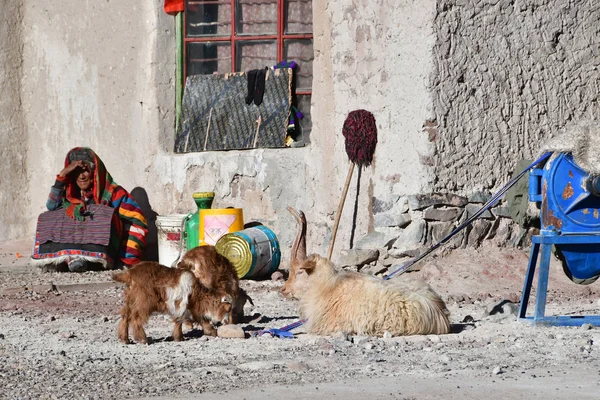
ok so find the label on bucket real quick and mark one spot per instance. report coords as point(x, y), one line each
point(174, 236)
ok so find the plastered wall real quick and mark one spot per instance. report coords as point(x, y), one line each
point(460, 91)
point(14, 193)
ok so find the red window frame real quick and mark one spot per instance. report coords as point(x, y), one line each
point(233, 37)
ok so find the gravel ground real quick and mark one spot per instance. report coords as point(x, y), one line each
point(58, 341)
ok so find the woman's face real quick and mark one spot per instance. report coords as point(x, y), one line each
point(85, 177)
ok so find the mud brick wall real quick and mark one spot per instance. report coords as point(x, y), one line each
point(508, 74)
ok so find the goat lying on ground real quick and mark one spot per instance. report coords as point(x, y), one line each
point(216, 272)
point(365, 305)
point(153, 288)
point(296, 282)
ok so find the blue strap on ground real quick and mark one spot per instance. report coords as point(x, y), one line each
point(283, 332)
point(493, 200)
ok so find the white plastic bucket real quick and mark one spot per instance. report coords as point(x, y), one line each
point(169, 237)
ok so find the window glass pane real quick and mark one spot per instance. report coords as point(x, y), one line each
point(256, 17)
point(206, 58)
point(298, 16)
point(301, 51)
point(255, 54)
point(208, 18)
point(306, 122)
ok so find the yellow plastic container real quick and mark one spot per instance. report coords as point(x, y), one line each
point(216, 222)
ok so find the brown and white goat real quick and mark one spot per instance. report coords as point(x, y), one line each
point(153, 288)
point(296, 282)
point(365, 305)
point(217, 273)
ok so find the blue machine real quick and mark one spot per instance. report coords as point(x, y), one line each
point(569, 200)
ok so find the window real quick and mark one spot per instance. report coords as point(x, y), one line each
point(222, 36)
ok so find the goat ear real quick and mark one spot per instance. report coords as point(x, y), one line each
point(227, 299)
point(309, 265)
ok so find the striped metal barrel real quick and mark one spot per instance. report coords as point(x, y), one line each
point(254, 252)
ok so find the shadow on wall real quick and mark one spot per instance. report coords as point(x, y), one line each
point(141, 197)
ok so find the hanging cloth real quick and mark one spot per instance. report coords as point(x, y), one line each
point(173, 6)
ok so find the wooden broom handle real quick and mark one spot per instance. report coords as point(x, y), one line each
point(339, 211)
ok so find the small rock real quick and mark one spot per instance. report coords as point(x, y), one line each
point(1, 336)
point(277, 276)
point(342, 336)
point(52, 318)
point(360, 339)
point(497, 371)
point(68, 335)
point(327, 348)
point(587, 326)
point(231, 331)
point(504, 307)
point(105, 319)
point(387, 335)
point(434, 338)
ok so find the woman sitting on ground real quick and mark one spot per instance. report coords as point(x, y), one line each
point(92, 222)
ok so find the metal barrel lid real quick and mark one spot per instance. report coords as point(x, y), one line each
point(237, 250)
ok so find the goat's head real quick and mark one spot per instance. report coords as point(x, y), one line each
point(216, 308)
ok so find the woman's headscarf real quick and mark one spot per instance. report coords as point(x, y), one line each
point(102, 189)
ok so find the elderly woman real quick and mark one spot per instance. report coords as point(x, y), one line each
point(92, 222)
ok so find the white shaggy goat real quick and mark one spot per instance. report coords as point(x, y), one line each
point(360, 304)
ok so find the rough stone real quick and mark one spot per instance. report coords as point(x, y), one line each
point(391, 219)
point(277, 276)
point(379, 238)
point(436, 232)
point(443, 214)
point(472, 209)
point(411, 238)
point(501, 211)
point(231, 331)
point(479, 197)
point(479, 230)
point(357, 257)
point(376, 269)
point(421, 201)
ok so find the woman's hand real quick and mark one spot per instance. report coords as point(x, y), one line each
point(70, 168)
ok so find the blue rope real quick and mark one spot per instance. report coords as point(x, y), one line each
point(493, 200)
point(283, 332)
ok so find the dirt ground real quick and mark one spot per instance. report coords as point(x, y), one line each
point(58, 340)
